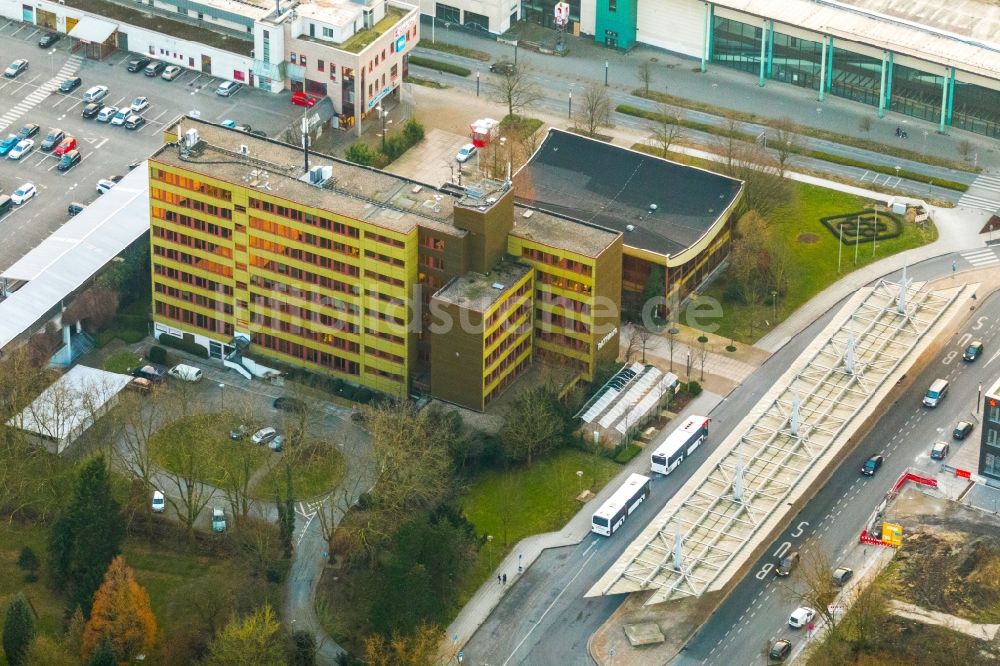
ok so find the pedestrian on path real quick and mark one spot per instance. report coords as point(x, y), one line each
point(498, 580)
point(505, 579)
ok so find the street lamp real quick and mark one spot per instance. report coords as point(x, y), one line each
point(570, 113)
point(579, 476)
point(222, 396)
point(477, 86)
point(489, 544)
point(383, 114)
point(606, 65)
point(52, 62)
point(503, 142)
point(774, 306)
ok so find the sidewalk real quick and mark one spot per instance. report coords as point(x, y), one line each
point(526, 551)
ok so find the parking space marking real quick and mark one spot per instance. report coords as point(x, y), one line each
point(34, 98)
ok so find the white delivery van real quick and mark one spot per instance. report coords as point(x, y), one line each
point(188, 373)
point(158, 504)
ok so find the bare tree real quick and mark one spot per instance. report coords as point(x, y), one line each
point(816, 588)
point(765, 189)
point(865, 124)
point(235, 484)
point(643, 335)
point(516, 89)
point(667, 130)
point(786, 141)
point(531, 426)
point(595, 111)
point(630, 343)
point(190, 496)
point(731, 138)
point(140, 421)
point(644, 72)
point(702, 356)
point(867, 618)
point(671, 341)
point(748, 261)
point(966, 149)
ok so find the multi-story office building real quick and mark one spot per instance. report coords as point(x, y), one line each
point(354, 53)
point(261, 260)
point(989, 450)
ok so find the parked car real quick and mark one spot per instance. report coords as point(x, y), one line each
point(158, 502)
point(243, 127)
point(289, 404)
point(141, 384)
point(48, 39)
point(106, 114)
point(75, 208)
point(148, 372)
point(104, 185)
point(120, 117)
point(973, 351)
point(16, 68)
point(91, 110)
point(69, 85)
point(6, 204)
point(787, 563)
point(841, 575)
point(95, 94)
point(137, 64)
point(228, 122)
point(872, 465)
point(8, 144)
point(228, 88)
point(52, 139)
point(69, 160)
point(300, 98)
point(187, 373)
point(503, 67)
point(962, 430)
point(67, 144)
point(218, 520)
point(134, 121)
point(29, 130)
point(23, 193)
point(264, 435)
point(940, 450)
point(239, 432)
point(800, 617)
point(780, 650)
point(21, 149)
point(154, 68)
point(139, 104)
point(171, 73)
point(277, 444)
point(257, 132)
point(465, 152)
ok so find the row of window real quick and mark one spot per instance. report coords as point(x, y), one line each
point(273, 286)
point(193, 204)
point(547, 321)
point(560, 301)
point(504, 327)
point(502, 368)
point(178, 238)
point(385, 336)
point(308, 218)
point(432, 243)
point(502, 349)
point(303, 313)
point(192, 222)
point(306, 353)
point(433, 263)
point(190, 184)
point(388, 356)
point(191, 297)
point(173, 254)
point(296, 273)
point(563, 283)
point(508, 304)
point(384, 258)
point(196, 319)
point(193, 280)
point(324, 337)
point(564, 341)
point(298, 254)
point(394, 242)
point(552, 260)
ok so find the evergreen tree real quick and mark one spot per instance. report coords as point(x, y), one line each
point(18, 630)
point(121, 614)
point(87, 537)
point(104, 655)
point(303, 650)
point(286, 514)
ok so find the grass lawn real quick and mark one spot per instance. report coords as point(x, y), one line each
point(214, 449)
point(313, 473)
point(122, 362)
point(813, 252)
point(537, 499)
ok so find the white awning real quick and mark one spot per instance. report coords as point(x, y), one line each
point(94, 30)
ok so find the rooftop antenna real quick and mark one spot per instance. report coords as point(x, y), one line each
point(305, 140)
point(277, 8)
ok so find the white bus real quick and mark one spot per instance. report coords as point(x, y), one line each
point(679, 444)
point(626, 499)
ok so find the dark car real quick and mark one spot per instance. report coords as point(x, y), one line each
point(134, 121)
point(137, 64)
point(69, 160)
point(503, 67)
point(155, 68)
point(787, 563)
point(962, 430)
point(871, 465)
point(29, 130)
point(69, 85)
point(973, 351)
point(48, 39)
point(289, 404)
point(259, 133)
point(148, 372)
point(780, 650)
point(239, 432)
point(52, 139)
point(91, 110)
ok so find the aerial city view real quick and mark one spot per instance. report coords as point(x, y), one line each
point(395, 333)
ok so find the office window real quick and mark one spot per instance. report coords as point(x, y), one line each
point(319, 65)
point(612, 5)
point(302, 61)
point(328, 32)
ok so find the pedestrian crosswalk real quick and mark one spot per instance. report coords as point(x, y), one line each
point(35, 97)
point(980, 258)
point(983, 193)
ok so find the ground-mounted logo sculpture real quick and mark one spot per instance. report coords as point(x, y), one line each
point(864, 226)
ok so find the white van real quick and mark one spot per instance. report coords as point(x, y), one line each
point(188, 373)
point(158, 503)
point(936, 393)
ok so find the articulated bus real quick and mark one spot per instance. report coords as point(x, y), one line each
point(680, 444)
point(626, 499)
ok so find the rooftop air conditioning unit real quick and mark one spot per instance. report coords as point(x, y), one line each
point(191, 137)
point(497, 285)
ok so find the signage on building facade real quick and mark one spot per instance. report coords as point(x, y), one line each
point(607, 338)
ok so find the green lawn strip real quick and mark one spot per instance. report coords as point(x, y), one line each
point(214, 448)
point(122, 362)
point(50, 608)
point(525, 125)
point(535, 499)
point(455, 49)
point(813, 264)
point(799, 150)
point(826, 135)
point(312, 475)
point(439, 65)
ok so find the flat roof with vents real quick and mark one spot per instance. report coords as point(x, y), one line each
point(477, 292)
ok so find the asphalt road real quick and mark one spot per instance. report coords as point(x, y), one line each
point(106, 150)
point(544, 618)
point(758, 608)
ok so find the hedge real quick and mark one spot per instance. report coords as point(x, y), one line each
point(815, 154)
point(183, 345)
point(439, 65)
point(158, 354)
point(625, 453)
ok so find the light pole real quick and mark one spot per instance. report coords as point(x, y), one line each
point(477, 83)
point(569, 114)
point(222, 396)
point(606, 65)
point(579, 477)
point(515, 52)
point(383, 114)
point(52, 62)
point(774, 305)
point(489, 544)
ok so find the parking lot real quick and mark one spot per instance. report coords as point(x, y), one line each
point(106, 150)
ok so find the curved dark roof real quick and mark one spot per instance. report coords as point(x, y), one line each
point(613, 187)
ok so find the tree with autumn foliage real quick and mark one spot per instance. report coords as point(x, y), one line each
point(417, 649)
point(122, 614)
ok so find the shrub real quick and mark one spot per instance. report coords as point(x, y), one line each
point(158, 354)
point(183, 345)
point(693, 388)
point(361, 153)
point(627, 452)
point(413, 131)
point(439, 65)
